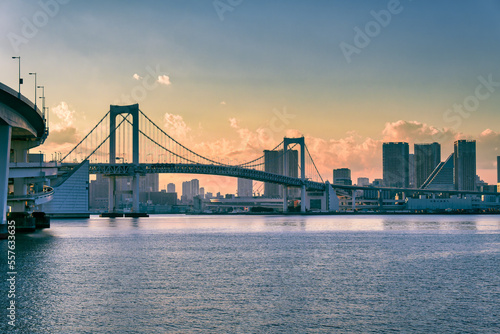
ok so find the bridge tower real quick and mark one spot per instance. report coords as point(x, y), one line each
point(286, 143)
point(132, 110)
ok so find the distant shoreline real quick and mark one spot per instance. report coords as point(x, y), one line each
point(339, 213)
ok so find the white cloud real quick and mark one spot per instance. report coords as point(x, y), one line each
point(64, 115)
point(488, 148)
point(164, 80)
point(175, 126)
point(413, 131)
point(234, 123)
point(63, 132)
point(137, 76)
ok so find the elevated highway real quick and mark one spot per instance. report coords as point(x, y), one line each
point(22, 126)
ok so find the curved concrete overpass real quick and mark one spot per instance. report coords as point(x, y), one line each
point(20, 114)
point(22, 126)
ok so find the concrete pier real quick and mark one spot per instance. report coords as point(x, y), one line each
point(5, 133)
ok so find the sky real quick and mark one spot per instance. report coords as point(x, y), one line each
point(233, 77)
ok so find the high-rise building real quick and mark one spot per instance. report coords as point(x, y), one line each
point(396, 164)
point(202, 193)
point(427, 157)
point(293, 171)
point(149, 183)
point(245, 187)
point(342, 176)
point(441, 177)
point(195, 188)
point(186, 192)
point(171, 188)
point(411, 170)
point(498, 169)
point(465, 165)
point(98, 192)
point(273, 163)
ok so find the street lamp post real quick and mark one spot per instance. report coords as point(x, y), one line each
point(42, 97)
point(20, 79)
point(34, 73)
point(46, 114)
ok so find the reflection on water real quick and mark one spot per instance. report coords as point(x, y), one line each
point(444, 225)
point(257, 224)
point(298, 222)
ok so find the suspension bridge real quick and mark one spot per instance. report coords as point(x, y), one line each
point(126, 142)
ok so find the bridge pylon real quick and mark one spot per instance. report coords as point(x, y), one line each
point(132, 110)
point(286, 142)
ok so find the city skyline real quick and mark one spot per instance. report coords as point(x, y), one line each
point(230, 89)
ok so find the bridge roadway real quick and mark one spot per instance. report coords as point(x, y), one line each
point(233, 171)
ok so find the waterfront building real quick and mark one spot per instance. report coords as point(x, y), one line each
point(158, 198)
point(396, 164)
point(452, 203)
point(465, 165)
point(171, 188)
point(498, 169)
point(98, 192)
point(441, 177)
point(427, 158)
point(411, 170)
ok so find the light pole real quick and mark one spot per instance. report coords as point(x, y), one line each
point(34, 73)
point(20, 79)
point(46, 114)
point(42, 97)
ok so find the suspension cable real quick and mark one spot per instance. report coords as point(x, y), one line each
point(81, 141)
point(112, 131)
point(314, 164)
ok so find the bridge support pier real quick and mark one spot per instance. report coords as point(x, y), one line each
point(111, 194)
point(135, 193)
point(353, 200)
point(20, 189)
point(303, 199)
point(285, 198)
point(5, 134)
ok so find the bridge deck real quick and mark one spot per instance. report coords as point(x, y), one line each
point(233, 171)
